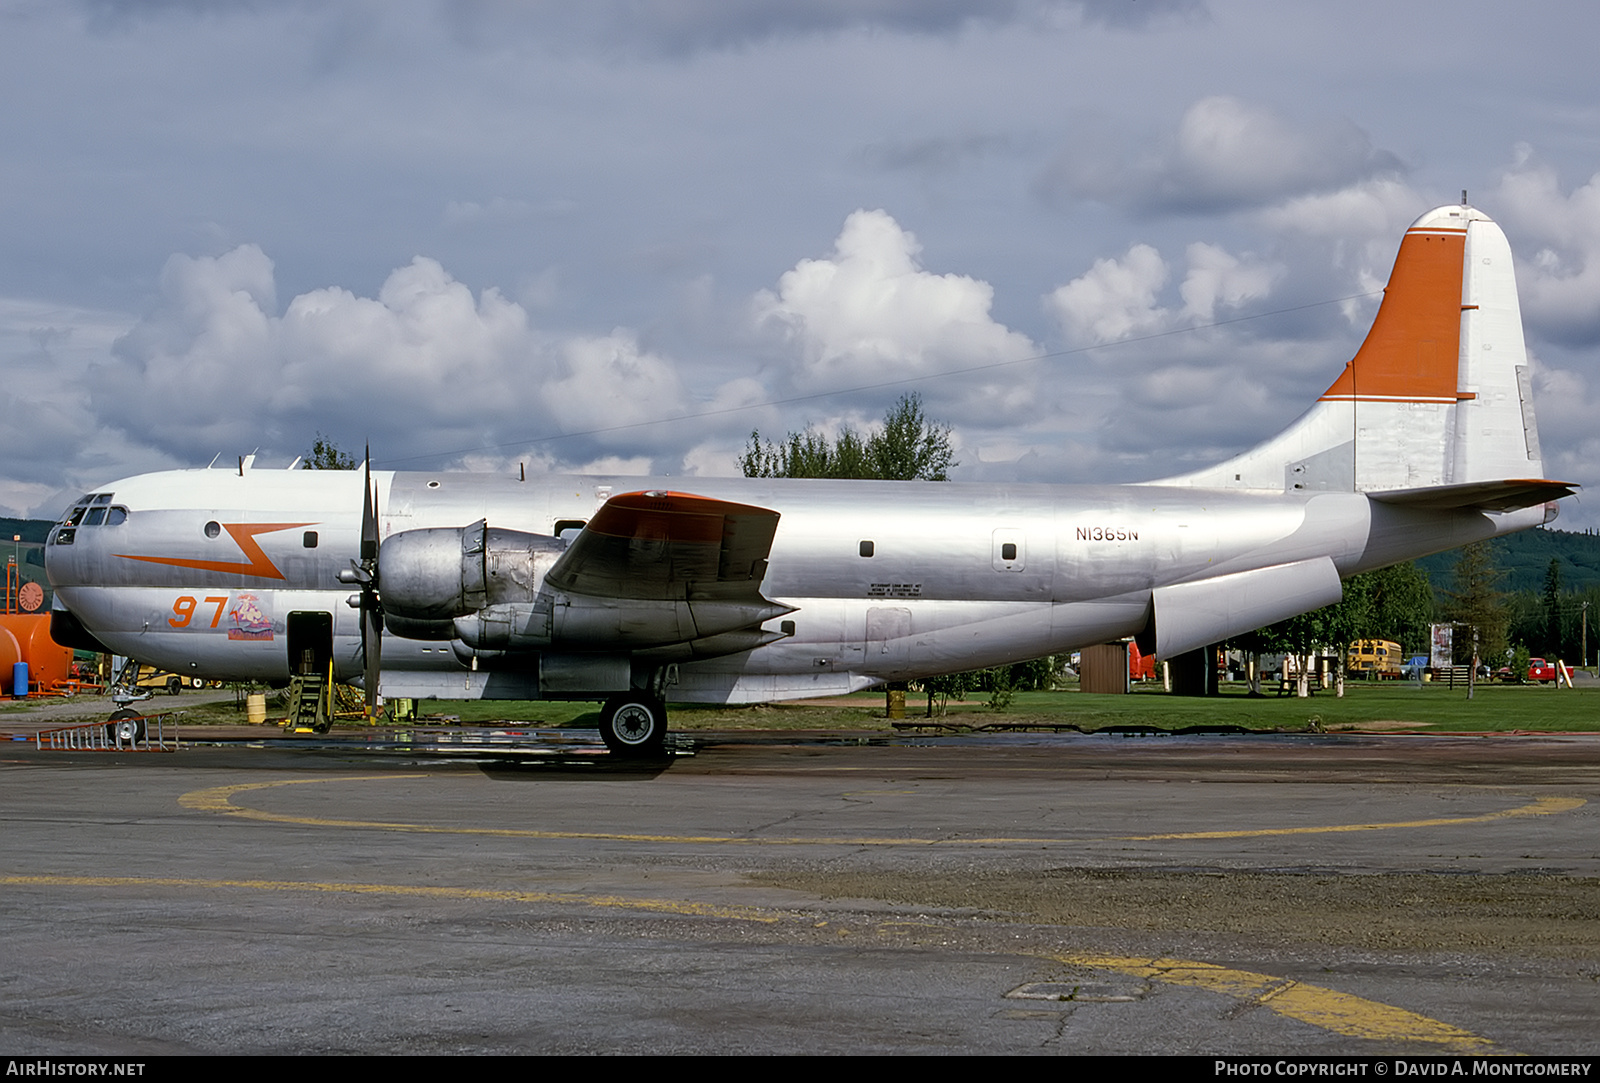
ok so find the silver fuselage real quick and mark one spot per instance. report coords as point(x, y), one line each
point(959, 577)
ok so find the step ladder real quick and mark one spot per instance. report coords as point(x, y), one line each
point(310, 700)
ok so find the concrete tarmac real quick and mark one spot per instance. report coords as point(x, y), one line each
point(775, 893)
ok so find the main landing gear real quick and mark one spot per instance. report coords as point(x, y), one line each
point(634, 725)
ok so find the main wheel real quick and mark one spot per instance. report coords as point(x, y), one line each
point(125, 726)
point(634, 725)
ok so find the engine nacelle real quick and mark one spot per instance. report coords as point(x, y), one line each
point(492, 591)
point(438, 574)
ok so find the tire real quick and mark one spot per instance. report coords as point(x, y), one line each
point(174, 685)
point(197, 682)
point(125, 727)
point(634, 726)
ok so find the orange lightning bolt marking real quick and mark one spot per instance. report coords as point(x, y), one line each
point(244, 534)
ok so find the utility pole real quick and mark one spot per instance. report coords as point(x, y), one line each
point(1583, 648)
point(1472, 674)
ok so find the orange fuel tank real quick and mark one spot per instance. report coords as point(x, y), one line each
point(27, 637)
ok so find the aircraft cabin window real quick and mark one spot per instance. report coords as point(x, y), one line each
point(95, 517)
point(213, 528)
point(65, 535)
point(102, 498)
point(786, 627)
point(309, 539)
point(564, 525)
point(117, 516)
point(76, 517)
point(866, 549)
point(1008, 551)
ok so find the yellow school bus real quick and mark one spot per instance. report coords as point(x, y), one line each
point(1375, 657)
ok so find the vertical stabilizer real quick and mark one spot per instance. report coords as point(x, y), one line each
point(1438, 394)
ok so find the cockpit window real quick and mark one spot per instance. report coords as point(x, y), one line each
point(92, 509)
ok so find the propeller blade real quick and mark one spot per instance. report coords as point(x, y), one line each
point(372, 653)
point(371, 600)
point(369, 515)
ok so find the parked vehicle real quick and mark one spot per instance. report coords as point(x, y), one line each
point(1376, 659)
point(1539, 670)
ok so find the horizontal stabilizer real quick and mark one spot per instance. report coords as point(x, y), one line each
point(1507, 494)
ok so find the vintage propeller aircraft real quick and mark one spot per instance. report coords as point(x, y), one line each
point(633, 592)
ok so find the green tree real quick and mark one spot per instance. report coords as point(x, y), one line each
point(326, 455)
point(1551, 598)
point(1394, 603)
point(1390, 603)
point(1476, 601)
point(908, 447)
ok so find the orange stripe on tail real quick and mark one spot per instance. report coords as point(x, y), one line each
point(1412, 351)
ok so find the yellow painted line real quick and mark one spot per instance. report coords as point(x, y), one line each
point(219, 799)
point(1329, 1009)
point(1544, 806)
point(621, 902)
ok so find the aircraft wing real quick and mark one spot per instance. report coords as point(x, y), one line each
point(1509, 494)
point(661, 545)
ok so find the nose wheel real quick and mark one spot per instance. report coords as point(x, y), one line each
point(125, 727)
point(634, 725)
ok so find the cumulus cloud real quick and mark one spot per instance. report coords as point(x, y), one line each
point(1226, 154)
point(1556, 236)
point(1114, 298)
point(213, 366)
point(870, 312)
point(52, 446)
point(1218, 278)
point(1119, 298)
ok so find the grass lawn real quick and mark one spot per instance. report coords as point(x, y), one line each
point(1376, 707)
point(1364, 707)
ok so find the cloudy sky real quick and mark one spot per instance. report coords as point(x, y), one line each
point(1104, 239)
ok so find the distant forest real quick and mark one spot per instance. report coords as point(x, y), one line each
point(1525, 559)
